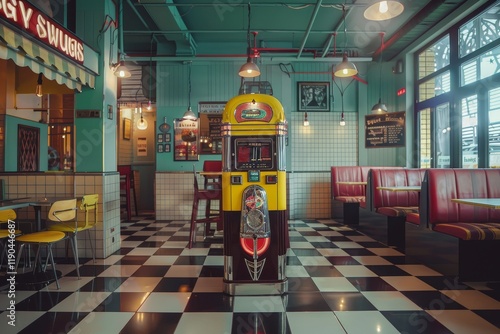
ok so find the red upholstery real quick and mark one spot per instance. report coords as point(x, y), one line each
point(395, 203)
point(466, 222)
point(345, 192)
point(212, 166)
point(413, 217)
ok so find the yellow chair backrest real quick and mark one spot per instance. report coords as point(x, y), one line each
point(89, 202)
point(62, 211)
point(6, 215)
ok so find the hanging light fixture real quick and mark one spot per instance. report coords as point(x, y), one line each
point(189, 114)
point(346, 68)
point(150, 72)
point(380, 108)
point(142, 124)
point(342, 120)
point(306, 121)
point(384, 10)
point(249, 69)
point(39, 90)
point(121, 71)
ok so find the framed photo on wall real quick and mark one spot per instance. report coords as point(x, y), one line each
point(127, 128)
point(313, 96)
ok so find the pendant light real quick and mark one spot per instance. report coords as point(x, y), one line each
point(306, 121)
point(249, 69)
point(39, 89)
point(142, 124)
point(380, 108)
point(342, 119)
point(346, 68)
point(384, 10)
point(120, 70)
point(189, 114)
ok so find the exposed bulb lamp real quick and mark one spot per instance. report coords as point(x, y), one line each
point(39, 90)
point(121, 71)
point(342, 120)
point(189, 114)
point(383, 10)
point(380, 108)
point(306, 121)
point(249, 69)
point(345, 69)
point(142, 124)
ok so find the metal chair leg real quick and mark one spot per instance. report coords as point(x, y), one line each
point(49, 251)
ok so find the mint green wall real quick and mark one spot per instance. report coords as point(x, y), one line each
point(219, 81)
point(96, 137)
point(11, 148)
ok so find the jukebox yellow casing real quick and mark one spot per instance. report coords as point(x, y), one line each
point(254, 133)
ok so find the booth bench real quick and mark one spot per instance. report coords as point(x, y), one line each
point(394, 193)
point(473, 230)
point(348, 186)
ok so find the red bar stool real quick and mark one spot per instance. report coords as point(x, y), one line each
point(207, 195)
point(127, 186)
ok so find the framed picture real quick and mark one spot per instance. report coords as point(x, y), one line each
point(127, 128)
point(167, 137)
point(166, 148)
point(160, 138)
point(313, 96)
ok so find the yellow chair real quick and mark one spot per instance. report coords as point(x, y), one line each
point(5, 216)
point(88, 203)
point(60, 211)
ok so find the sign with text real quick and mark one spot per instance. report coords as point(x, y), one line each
point(45, 29)
point(385, 130)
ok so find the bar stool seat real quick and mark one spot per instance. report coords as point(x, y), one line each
point(200, 195)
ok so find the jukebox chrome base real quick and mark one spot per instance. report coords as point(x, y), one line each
point(241, 283)
point(255, 288)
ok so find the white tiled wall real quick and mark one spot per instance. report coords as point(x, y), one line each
point(106, 236)
point(314, 150)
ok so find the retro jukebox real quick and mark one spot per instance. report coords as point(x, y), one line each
point(254, 195)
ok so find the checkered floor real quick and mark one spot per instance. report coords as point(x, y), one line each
point(340, 281)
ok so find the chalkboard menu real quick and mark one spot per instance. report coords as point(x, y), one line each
point(385, 130)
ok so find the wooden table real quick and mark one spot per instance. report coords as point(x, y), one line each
point(490, 203)
point(352, 183)
point(400, 188)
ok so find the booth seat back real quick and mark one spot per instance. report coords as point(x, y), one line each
point(394, 178)
point(348, 173)
point(444, 184)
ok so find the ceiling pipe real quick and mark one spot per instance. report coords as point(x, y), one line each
point(216, 57)
point(309, 27)
point(417, 19)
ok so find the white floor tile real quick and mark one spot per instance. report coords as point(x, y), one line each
point(314, 322)
point(165, 302)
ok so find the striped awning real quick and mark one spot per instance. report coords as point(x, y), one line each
point(25, 52)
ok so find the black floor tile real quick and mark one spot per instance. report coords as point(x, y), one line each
point(387, 270)
point(342, 260)
point(306, 302)
point(183, 284)
point(415, 322)
point(370, 284)
point(42, 301)
point(54, 322)
point(260, 323)
point(122, 302)
point(103, 284)
point(151, 271)
point(323, 271)
point(301, 284)
point(132, 260)
point(150, 322)
point(347, 301)
point(190, 260)
point(431, 300)
point(209, 302)
point(168, 251)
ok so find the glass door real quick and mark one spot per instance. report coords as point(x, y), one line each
point(434, 136)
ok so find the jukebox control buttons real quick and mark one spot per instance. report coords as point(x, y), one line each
point(271, 179)
point(255, 219)
point(236, 179)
